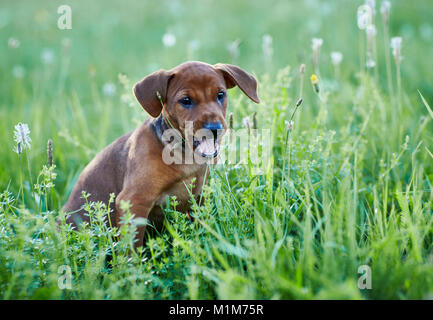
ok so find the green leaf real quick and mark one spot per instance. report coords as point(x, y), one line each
point(426, 104)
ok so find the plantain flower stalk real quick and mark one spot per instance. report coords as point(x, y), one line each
point(22, 137)
point(50, 152)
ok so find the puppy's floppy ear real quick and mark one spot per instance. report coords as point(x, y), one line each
point(235, 76)
point(145, 91)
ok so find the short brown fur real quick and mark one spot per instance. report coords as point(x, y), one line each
point(132, 167)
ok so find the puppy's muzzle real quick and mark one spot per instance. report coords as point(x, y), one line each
point(208, 145)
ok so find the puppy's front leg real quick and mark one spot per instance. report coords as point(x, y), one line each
point(141, 205)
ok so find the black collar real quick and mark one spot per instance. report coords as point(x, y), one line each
point(159, 126)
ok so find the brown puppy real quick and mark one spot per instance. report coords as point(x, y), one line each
point(134, 168)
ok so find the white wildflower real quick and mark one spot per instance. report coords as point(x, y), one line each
point(22, 137)
point(13, 43)
point(372, 5)
point(47, 56)
point(316, 44)
point(267, 48)
point(365, 16)
point(302, 68)
point(109, 89)
point(385, 9)
point(396, 44)
point(370, 31)
point(370, 63)
point(168, 39)
point(233, 49)
point(336, 58)
point(289, 125)
point(246, 122)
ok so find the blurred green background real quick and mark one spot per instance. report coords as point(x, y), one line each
point(65, 84)
point(351, 163)
point(126, 36)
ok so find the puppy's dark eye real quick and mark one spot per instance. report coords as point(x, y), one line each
point(220, 96)
point(186, 102)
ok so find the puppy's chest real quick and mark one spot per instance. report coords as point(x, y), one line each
point(193, 183)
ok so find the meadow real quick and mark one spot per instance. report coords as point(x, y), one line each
point(349, 183)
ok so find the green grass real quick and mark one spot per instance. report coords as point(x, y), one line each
point(352, 186)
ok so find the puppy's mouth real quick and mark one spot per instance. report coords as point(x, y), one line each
point(206, 147)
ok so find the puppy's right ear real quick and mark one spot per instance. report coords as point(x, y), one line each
point(145, 91)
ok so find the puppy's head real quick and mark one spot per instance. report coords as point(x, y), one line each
point(195, 93)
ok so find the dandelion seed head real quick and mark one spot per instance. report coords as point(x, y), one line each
point(289, 125)
point(396, 44)
point(47, 56)
point(267, 40)
point(233, 49)
point(372, 5)
point(246, 122)
point(336, 58)
point(168, 39)
point(385, 10)
point(370, 63)
point(302, 68)
point(13, 43)
point(267, 48)
point(364, 16)
point(316, 43)
point(109, 89)
point(370, 31)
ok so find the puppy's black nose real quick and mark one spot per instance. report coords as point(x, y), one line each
point(214, 127)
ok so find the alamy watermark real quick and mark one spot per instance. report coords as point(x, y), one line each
point(64, 22)
point(235, 147)
point(64, 280)
point(364, 281)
